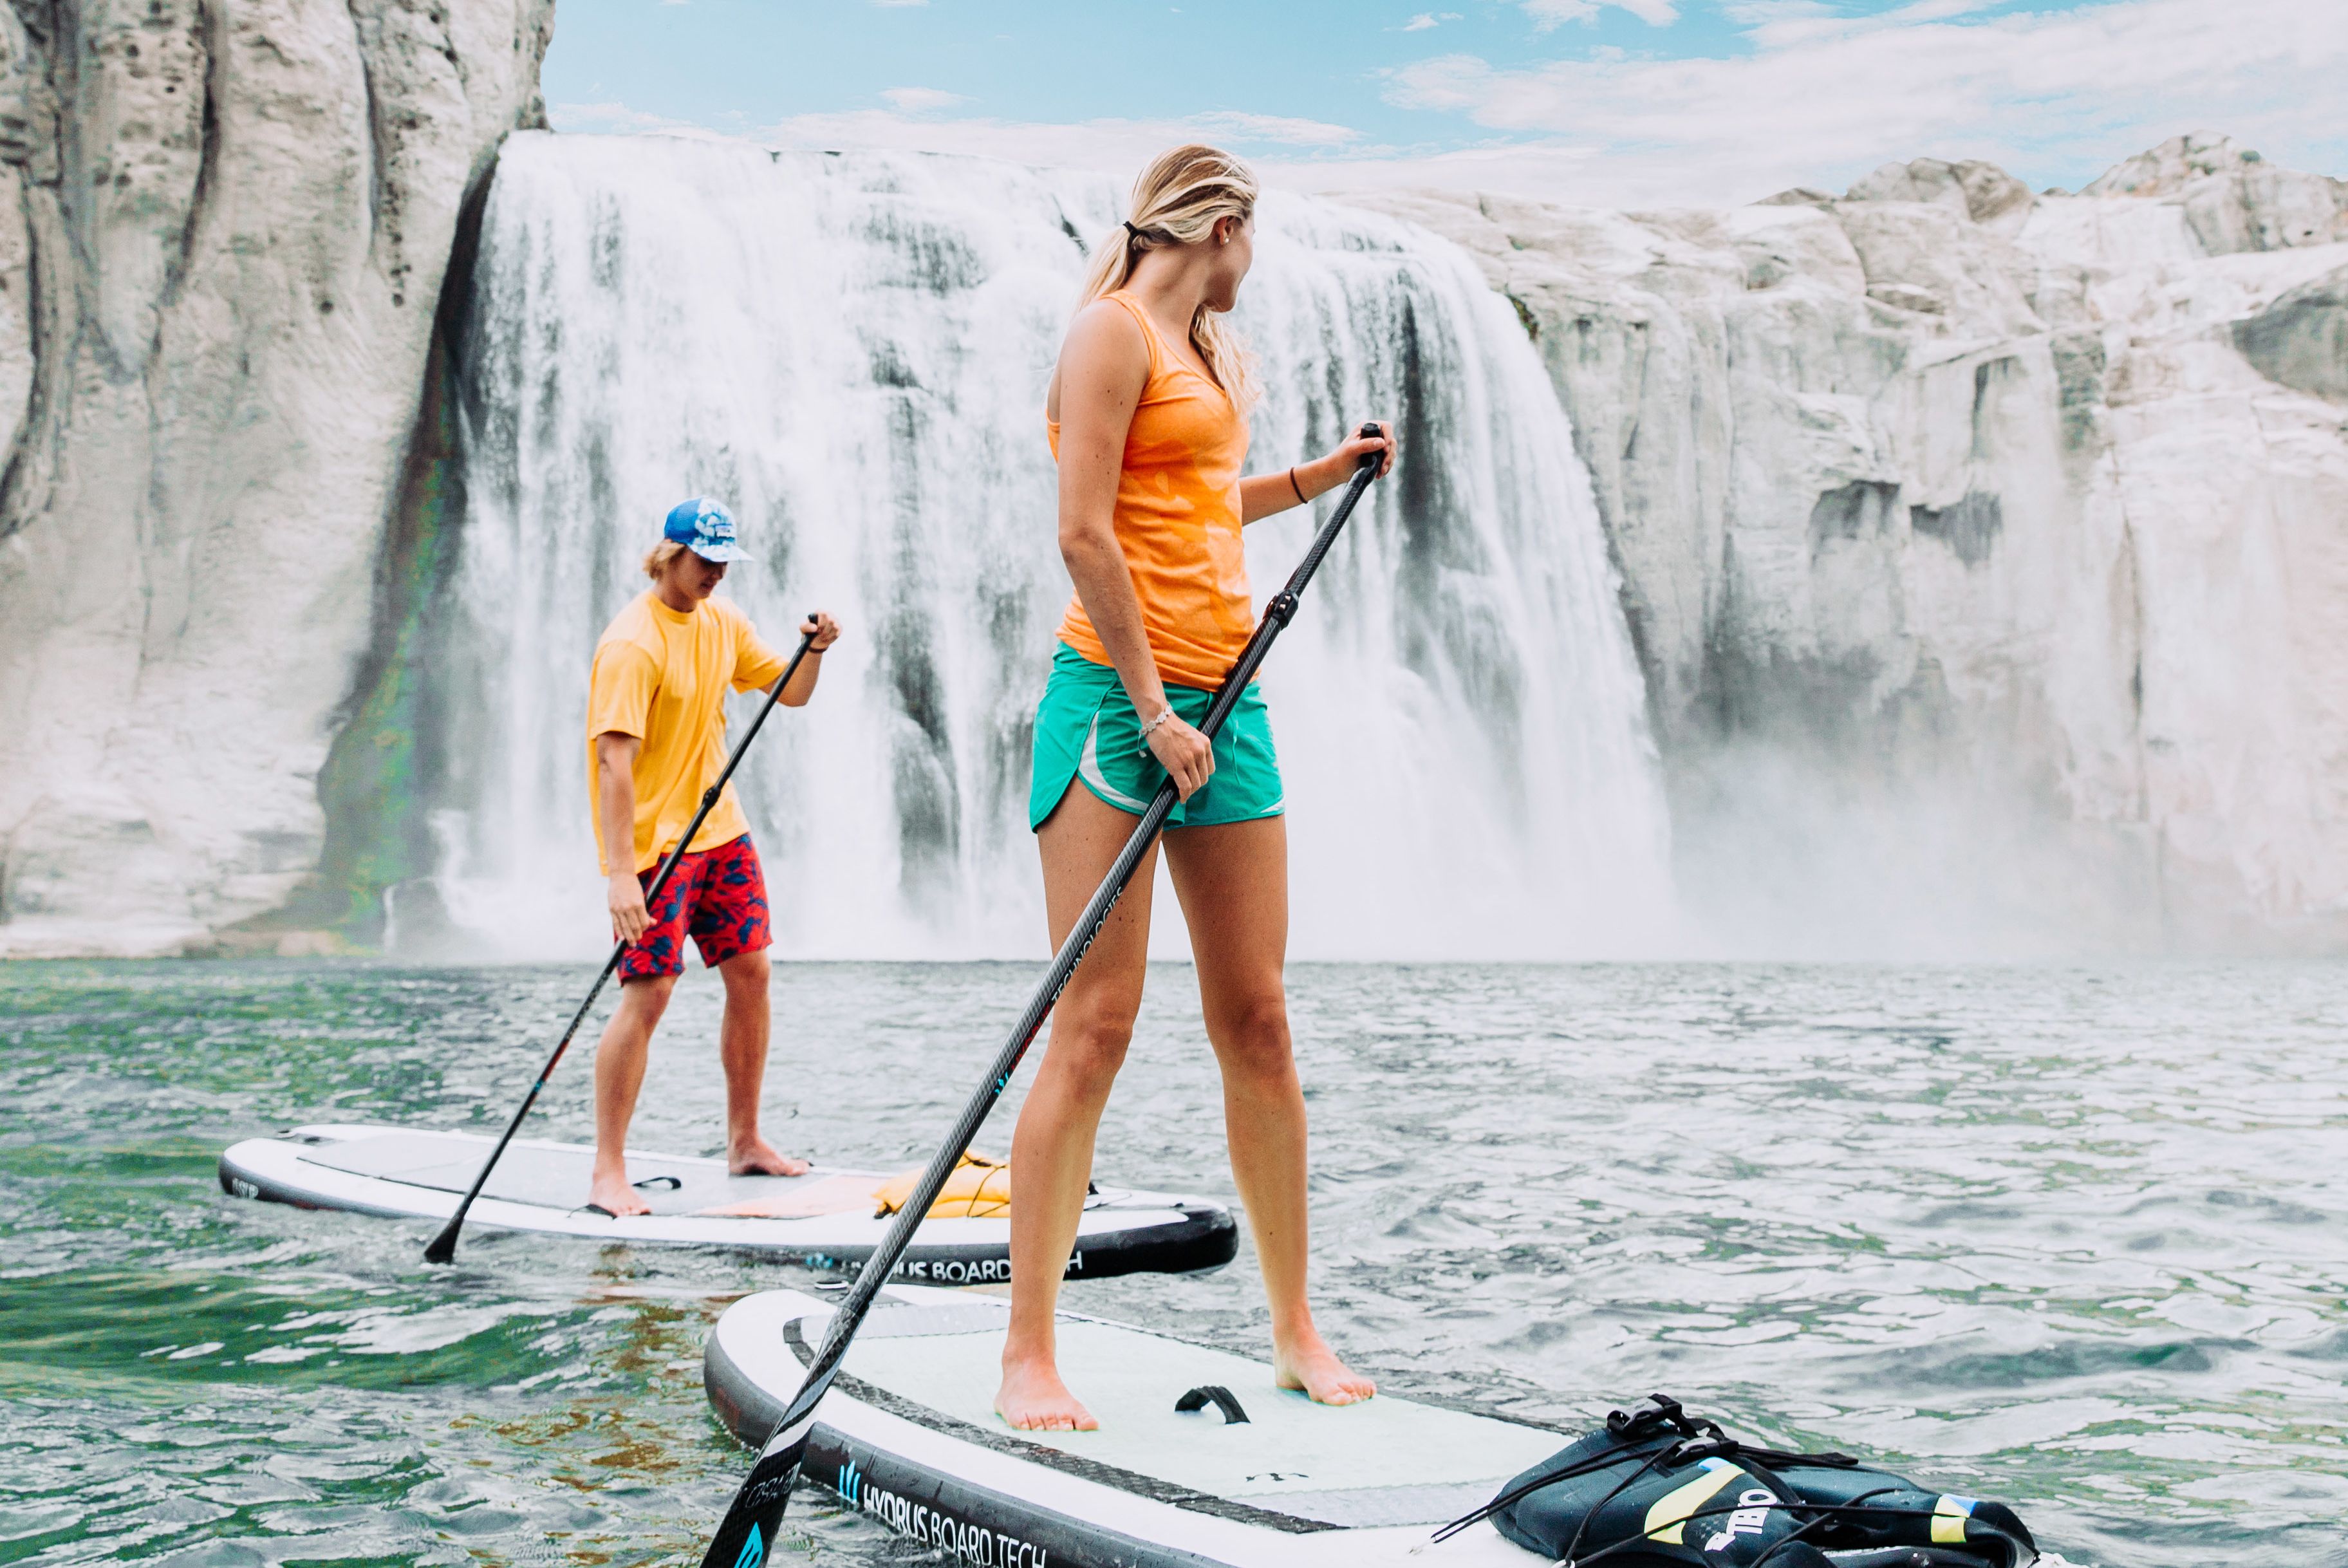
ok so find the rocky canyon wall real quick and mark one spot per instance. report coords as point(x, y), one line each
point(223, 229)
point(1986, 552)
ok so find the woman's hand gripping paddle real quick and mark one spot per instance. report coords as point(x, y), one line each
point(444, 1245)
point(747, 1533)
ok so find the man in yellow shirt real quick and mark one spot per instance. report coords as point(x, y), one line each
point(655, 742)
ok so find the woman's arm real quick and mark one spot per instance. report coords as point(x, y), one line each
point(1104, 365)
point(1265, 494)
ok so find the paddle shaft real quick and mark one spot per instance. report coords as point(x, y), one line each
point(444, 1245)
point(747, 1533)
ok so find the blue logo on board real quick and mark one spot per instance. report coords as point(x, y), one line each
point(754, 1550)
point(851, 1482)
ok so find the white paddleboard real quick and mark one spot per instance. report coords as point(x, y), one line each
point(908, 1436)
point(823, 1219)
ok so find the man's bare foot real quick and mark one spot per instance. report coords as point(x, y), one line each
point(611, 1193)
point(1314, 1369)
point(1034, 1399)
point(760, 1157)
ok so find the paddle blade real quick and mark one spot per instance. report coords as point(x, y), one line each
point(747, 1533)
point(444, 1245)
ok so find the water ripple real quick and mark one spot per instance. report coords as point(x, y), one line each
point(2072, 1238)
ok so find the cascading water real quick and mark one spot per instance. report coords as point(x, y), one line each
point(852, 350)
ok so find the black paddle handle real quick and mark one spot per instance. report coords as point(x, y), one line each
point(442, 1246)
point(747, 1532)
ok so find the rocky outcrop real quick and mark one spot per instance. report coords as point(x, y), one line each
point(2301, 340)
point(222, 234)
point(1987, 543)
point(2232, 199)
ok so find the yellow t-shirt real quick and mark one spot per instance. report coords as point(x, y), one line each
point(661, 676)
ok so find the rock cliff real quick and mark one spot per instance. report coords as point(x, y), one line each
point(223, 229)
point(1986, 552)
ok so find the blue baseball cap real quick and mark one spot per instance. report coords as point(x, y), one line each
point(705, 527)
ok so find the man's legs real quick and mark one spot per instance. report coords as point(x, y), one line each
point(742, 1048)
point(620, 1059)
point(729, 924)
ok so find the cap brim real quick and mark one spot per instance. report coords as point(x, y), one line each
point(719, 554)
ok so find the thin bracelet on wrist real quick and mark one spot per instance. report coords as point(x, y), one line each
point(1163, 714)
point(1297, 488)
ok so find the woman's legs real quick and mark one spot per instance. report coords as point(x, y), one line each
point(1052, 1151)
point(1233, 880)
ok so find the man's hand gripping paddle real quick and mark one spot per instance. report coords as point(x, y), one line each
point(747, 1533)
point(444, 1245)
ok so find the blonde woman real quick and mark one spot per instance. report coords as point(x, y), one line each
point(1148, 418)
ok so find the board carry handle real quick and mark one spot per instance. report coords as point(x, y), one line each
point(1223, 1398)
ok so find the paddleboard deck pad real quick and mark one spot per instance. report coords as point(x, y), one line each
point(908, 1435)
point(823, 1219)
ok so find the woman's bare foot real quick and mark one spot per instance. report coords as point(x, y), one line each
point(760, 1157)
point(611, 1193)
point(1034, 1399)
point(1311, 1367)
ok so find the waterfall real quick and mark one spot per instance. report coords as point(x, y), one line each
point(852, 349)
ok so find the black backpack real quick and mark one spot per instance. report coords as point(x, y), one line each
point(1658, 1486)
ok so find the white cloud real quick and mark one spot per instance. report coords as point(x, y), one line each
point(913, 101)
point(1274, 127)
point(1816, 97)
point(1118, 147)
point(618, 120)
point(1425, 19)
point(1549, 15)
point(1821, 97)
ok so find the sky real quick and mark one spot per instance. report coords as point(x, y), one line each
point(1600, 102)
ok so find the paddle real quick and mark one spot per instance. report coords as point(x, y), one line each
point(444, 1245)
point(747, 1533)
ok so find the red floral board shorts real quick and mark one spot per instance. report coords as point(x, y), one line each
point(718, 897)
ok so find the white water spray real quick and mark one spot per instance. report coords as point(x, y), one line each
point(852, 350)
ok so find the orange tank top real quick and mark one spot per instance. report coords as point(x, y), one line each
point(1177, 521)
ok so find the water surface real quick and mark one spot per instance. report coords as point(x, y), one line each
point(2073, 1238)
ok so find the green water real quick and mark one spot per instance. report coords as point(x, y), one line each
point(2078, 1240)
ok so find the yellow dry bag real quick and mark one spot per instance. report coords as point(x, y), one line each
point(979, 1189)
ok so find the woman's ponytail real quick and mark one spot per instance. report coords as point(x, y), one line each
point(1177, 201)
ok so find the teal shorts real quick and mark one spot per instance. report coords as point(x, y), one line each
point(1086, 729)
